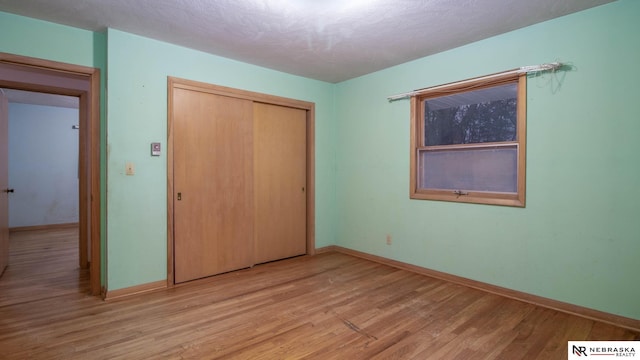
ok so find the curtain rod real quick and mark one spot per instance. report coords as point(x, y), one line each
point(521, 70)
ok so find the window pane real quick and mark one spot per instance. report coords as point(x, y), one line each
point(486, 115)
point(485, 169)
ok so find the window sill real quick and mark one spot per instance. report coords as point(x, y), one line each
point(471, 197)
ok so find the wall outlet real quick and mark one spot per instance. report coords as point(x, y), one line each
point(389, 241)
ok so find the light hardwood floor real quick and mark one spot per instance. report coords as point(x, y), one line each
point(330, 306)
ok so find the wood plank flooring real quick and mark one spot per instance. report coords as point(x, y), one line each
point(330, 306)
point(42, 264)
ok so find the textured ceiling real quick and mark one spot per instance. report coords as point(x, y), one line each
point(329, 40)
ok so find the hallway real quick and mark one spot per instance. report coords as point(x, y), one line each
point(43, 264)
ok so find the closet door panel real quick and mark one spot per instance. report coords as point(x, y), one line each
point(213, 184)
point(280, 181)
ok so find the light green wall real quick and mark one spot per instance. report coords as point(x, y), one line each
point(578, 239)
point(137, 91)
point(45, 40)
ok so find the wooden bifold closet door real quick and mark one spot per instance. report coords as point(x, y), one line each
point(239, 173)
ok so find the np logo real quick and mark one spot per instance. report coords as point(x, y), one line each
point(580, 350)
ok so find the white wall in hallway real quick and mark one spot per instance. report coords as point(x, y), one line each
point(43, 165)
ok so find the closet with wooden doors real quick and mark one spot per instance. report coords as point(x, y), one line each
point(238, 184)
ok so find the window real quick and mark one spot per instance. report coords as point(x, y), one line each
point(468, 141)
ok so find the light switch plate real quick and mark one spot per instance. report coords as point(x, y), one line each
point(129, 169)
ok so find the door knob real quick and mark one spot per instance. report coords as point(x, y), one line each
point(8, 190)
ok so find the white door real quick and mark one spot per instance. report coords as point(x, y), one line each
point(4, 183)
